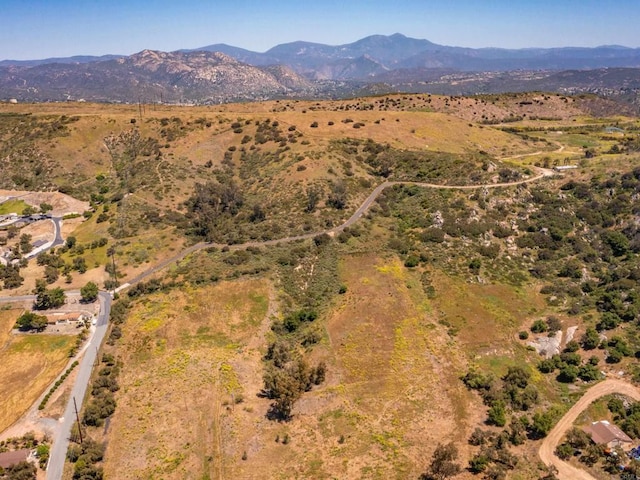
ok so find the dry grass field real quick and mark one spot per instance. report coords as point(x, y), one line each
point(29, 364)
point(185, 354)
point(189, 407)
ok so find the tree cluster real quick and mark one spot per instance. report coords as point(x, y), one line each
point(102, 403)
point(211, 205)
point(10, 276)
point(510, 393)
point(31, 321)
point(19, 471)
point(89, 292)
point(443, 463)
point(287, 373)
point(48, 298)
point(494, 459)
point(85, 458)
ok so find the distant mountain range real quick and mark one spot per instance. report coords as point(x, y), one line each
point(219, 73)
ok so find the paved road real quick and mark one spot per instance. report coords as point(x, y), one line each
point(18, 299)
point(549, 444)
point(57, 239)
point(61, 437)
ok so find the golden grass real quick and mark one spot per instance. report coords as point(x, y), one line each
point(183, 353)
point(29, 364)
point(187, 352)
point(393, 391)
point(83, 151)
point(8, 319)
point(484, 316)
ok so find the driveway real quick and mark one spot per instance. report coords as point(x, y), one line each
point(549, 444)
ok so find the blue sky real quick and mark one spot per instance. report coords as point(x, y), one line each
point(32, 29)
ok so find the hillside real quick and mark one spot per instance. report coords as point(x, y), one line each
point(154, 76)
point(347, 285)
point(222, 73)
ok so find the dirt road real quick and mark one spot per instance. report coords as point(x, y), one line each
point(566, 471)
point(362, 209)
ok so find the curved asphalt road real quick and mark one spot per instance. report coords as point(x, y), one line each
point(57, 239)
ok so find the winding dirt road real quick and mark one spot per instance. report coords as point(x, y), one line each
point(364, 206)
point(566, 471)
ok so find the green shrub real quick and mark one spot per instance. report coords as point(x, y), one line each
point(539, 326)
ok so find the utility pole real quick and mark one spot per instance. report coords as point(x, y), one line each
point(113, 261)
point(112, 252)
point(75, 405)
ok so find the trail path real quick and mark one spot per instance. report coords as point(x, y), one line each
point(549, 444)
point(534, 154)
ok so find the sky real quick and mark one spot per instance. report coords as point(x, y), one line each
point(36, 29)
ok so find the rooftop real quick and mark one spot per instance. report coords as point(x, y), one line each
point(8, 459)
point(603, 432)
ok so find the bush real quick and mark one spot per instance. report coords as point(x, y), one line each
point(572, 346)
point(564, 451)
point(554, 324)
point(542, 423)
point(614, 356)
point(411, 261)
point(547, 365)
point(588, 373)
point(539, 326)
point(478, 380)
point(590, 339)
point(479, 463)
point(568, 374)
point(497, 414)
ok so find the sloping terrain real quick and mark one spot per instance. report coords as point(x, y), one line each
point(152, 76)
point(222, 73)
point(291, 346)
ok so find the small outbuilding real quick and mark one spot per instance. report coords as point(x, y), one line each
point(604, 433)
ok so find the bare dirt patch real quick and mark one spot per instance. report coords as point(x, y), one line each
point(62, 204)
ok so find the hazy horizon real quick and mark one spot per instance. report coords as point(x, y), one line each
point(61, 28)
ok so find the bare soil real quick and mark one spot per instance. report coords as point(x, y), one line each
point(62, 204)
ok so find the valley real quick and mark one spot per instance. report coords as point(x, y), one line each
point(314, 289)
